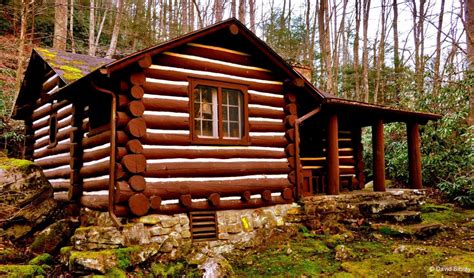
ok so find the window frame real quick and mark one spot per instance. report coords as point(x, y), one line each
point(220, 140)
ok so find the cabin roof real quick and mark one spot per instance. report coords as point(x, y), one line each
point(73, 68)
point(70, 66)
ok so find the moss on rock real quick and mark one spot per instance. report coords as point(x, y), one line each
point(22, 271)
point(42, 259)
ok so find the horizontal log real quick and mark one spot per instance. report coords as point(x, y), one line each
point(59, 148)
point(136, 108)
point(137, 91)
point(61, 135)
point(291, 109)
point(95, 170)
point(123, 101)
point(290, 121)
point(174, 60)
point(59, 116)
point(102, 138)
point(290, 97)
point(218, 55)
point(172, 190)
point(166, 122)
point(139, 204)
point(170, 105)
point(53, 162)
point(134, 146)
point(165, 89)
point(95, 185)
point(134, 163)
point(183, 76)
point(60, 186)
point(137, 78)
point(269, 141)
point(61, 196)
point(166, 139)
point(137, 183)
point(101, 153)
point(156, 153)
point(145, 62)
point(46, 130)
point(57, 173)
point(266, 113)
point(261, 126)
point(290, 135)
point(155, 202)
point(95, 202)
point(223, 205)
point(49, 84)
point(214, 169)
point(266, 100)
point(136, 127)
point(39, 113)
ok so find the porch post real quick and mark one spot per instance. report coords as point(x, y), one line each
point(378, 156)
point(414, 155)
point(333, 155)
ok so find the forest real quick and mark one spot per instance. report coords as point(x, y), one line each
point(413, 54)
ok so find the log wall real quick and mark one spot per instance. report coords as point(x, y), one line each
point(163, 169)
point(53, 158)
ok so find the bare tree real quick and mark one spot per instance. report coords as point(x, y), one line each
point(252, 8)
point(71, 26)
point(21, 48)
point(92, 28)
point(116, 30)
point(242, 7)
point(60, 24)
point(356, 49)
point(218, 10)
point(437, 62)
point(396, 54)
point(381, 56)
point(469, 25)
point(365, 52)
point(325, 45)
point(233, 5)
point(418, 14)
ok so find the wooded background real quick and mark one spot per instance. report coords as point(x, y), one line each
point(415, 54)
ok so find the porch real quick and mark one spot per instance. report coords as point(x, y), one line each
point(329, 154)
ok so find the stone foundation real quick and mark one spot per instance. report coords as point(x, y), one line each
point(168, 237)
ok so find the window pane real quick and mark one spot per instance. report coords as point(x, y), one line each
point(205, 111)
point(232, 113)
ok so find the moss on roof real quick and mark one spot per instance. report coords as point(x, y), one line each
point(71, 66)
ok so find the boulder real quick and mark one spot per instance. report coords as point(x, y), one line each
point(27, 197)
point(53, 237)
point(96, 238)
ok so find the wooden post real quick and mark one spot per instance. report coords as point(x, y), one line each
point(333, 155)
point(414, 155)
point(378, 156)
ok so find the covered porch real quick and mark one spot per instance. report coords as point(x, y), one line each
point(329, 150)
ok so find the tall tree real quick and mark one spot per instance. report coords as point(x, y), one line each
point(356, 49)
point(396, 54)
point(91, 28)
point(71, 26)
point(469, 25)
point(437, 62)
point(233, 8)
point(379, 93)
point(60, 24)
point(115, 31)
point(242, 12)
point(325, 45)
point(21, 48)
point(252, 8)
point(418, 14)
point(218, 10)
point(365, 52)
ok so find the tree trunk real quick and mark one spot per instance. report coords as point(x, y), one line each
point(21, 47)
point(396, 55)
point(378, 92)
point(437, 62)
point(60, 24)
point(242, 6)
point(469, 19)
point(116, 30)
point(218, 10)
point(92, 29)
point(252, 15)
point(365, 52)
point(233, 6)
point(356, 50)
point(71, 27)
point(184, 16)
point(324, 41)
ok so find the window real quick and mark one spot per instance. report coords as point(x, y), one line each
point(219, 113)
point(53, 130)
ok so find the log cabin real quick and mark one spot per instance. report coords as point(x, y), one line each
point(212, 120)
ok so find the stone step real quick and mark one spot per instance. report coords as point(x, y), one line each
point(420, 231)
point(374, 208)
point(402, 217)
